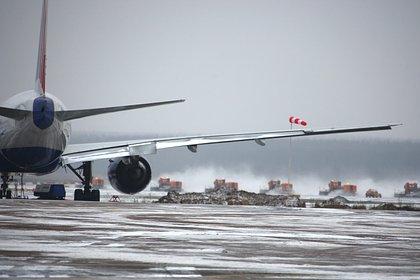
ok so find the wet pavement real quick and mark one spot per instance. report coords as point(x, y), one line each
point(115, 240)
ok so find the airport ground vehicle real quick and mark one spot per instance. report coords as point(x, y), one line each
point(47, 191)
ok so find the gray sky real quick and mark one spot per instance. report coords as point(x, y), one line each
point(241, 65)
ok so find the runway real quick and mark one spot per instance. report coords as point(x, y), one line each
point(90, 240)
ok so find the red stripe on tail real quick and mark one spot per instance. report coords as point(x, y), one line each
point(42, 51)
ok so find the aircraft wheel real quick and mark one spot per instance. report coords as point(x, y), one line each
point(8, 194)
point(87, 195)
point(78, 194)
point(95, 195)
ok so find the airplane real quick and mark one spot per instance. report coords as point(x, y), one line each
point(35, 130)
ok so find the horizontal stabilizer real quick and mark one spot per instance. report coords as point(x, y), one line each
point(77, 114)
point(15, 114)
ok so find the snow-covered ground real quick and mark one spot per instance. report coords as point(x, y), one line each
point(89, 239)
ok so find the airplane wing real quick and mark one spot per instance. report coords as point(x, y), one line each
point(107, 150)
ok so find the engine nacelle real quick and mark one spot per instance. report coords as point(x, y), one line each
point(129, 175)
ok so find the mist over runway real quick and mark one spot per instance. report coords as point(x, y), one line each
point(381, 164)
point(90, 240)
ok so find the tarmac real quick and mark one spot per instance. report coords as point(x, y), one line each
point(67, 239)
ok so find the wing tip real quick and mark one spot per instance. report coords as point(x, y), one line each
point(174, 101)
point(395, 125)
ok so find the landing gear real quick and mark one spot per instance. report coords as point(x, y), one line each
point(5, 191)
point(85, 194)
point(8, 194)
point(78, 194)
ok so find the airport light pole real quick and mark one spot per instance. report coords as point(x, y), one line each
point(290, 157)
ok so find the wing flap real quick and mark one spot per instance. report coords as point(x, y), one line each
point(216, 139)
point(129, 149)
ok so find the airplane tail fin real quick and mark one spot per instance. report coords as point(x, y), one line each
point(40, 85)
point(42, 53)
point(68, 115)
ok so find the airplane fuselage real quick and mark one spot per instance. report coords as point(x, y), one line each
point(35, 143)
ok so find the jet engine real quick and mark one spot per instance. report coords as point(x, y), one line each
point(129, 175)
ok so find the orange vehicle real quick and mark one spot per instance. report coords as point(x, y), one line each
point(373, 193)
point(334, 185)
point(272, 184)
point(232, 186)
point(219, 183)
point(349, 189)
point(286, 187)
point(410, 187)
point(98, 182)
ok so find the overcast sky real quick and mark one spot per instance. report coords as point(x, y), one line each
point(241, 65)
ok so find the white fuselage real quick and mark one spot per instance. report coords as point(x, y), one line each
point(27, 147)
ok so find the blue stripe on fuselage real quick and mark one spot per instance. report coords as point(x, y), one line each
point(29, 160)
point(43, 112)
